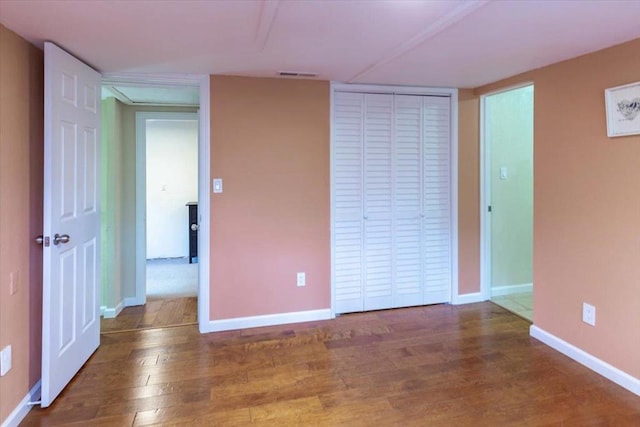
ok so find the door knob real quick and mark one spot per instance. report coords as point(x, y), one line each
point(39, 240)
point(61, 238)
point(194, 227)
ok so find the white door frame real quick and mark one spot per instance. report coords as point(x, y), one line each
point(204, 165)
point(141, 193)
point(485, 193)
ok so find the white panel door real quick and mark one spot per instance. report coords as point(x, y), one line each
point(71, 318)
point(347, 192)
point(407, 201)
point(436, 236)
point(378, 206)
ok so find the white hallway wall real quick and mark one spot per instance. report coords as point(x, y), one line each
point(172, 182)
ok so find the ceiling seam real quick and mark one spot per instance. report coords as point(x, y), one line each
point(268, 14)
point(437, 27)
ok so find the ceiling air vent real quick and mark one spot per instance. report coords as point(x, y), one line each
point(296, 74)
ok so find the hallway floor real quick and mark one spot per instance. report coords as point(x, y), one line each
point(156, 313)
point(520, 304)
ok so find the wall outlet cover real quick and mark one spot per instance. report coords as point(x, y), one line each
point(301, 279)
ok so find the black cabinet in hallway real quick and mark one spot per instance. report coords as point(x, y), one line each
point(193, 232)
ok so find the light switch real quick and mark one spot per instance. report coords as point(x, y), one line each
point(217, 185)
point(503, 172)
point(5, 360)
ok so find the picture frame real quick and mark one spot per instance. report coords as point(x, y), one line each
point(623, 110)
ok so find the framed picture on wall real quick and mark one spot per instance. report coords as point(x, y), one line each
point(623, 110)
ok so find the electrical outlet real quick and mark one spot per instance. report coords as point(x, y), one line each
point(302, 279)
point(5, 360)
point(588, 314)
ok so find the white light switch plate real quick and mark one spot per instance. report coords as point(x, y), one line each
point(5, 360)
point(217, 185)
point(588, 314)
point(301, 279)
point(503, 172)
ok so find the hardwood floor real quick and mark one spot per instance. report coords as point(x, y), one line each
point(156, 313)
point(443, 365)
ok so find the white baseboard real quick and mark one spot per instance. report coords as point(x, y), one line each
point(130, 301)
point(266, 320)
point(601, 367)
point(468, 298)
point(17, 415)
point(511, 289)
point(110, 313)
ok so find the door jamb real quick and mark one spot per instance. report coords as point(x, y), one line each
point(204, 165)
point(485, 193)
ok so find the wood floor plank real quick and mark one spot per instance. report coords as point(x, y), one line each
point(442, 365)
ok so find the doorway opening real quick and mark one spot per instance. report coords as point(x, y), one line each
point(153, 180)
point(507, 192)
point(167, 147)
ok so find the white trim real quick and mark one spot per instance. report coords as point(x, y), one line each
point(20, 412)
point(265, 320)
point(511, 289)
point(332, 198)
point(141, 210)
point(452, 93)
point(398, 90)
point(509, 88)
point(468, 298)
point(599, 366)
point(454, 194)
point(151, 79)
point(111, 312)
point(204, 202)
point(485, 202)
point(130, 301)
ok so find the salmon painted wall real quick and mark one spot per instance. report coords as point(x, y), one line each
point(586, 206)
point(270, 145)
point(468, 193)
point(21, 164)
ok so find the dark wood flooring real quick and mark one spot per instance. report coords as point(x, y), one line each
point(443, 365)
point(156, 313)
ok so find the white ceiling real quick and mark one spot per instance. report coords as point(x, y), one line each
point(435, 43)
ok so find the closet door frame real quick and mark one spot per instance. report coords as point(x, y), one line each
point(452, 93)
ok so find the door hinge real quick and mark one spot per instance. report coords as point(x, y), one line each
point(489, 208)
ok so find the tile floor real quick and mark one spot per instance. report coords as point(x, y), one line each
point(520, 304)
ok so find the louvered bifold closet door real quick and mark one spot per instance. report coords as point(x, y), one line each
point(378, 203)
point(348, 239)
point(391, 189)
point(436, 236)
point(407, 201)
